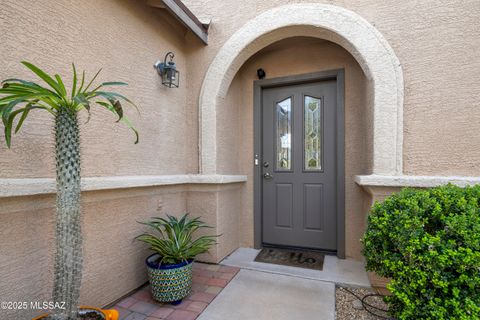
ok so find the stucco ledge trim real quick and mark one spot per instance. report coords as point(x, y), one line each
point(37, 186)
point(414, 181)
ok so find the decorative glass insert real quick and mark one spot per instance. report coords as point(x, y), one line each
point(313, 133)
point(284, 134)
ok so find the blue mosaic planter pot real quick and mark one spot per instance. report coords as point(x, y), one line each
point(169, 283)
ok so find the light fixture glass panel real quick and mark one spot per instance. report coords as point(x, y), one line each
point(284, 135)
point(313, 133)
point(170, 77)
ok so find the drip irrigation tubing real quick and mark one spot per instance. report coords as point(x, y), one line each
point(368, 307)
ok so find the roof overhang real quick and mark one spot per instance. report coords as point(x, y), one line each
point(178, 9)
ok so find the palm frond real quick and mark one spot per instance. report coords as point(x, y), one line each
point(82, 83)
point(74, 81)
point(44, 76)
point(53, 97)
point(91, 81)
point(61, 86)
point(9, 117)
point(111, 95)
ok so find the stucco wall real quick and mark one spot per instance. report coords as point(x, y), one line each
point(221, 207)
point(288, 57)
point(110, 224)
point(231, 132)
point(124, 38)
point(437, 45)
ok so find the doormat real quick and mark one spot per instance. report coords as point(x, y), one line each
point(292, 258)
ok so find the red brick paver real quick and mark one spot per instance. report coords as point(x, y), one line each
point(183, 315)
point(162, 313)
point(217, 282)
point(197, 306)
point(143, 295)
point(208, 282)
point(213, 289)
point(224, 275)
point(127, 303)
point(143, 307)
point(203, 297)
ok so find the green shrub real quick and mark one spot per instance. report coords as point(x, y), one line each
point(428, 242)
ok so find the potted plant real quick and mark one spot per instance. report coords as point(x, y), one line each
point(170, 267)
point(17, 99)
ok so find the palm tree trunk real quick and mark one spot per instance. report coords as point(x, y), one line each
point(68, 256)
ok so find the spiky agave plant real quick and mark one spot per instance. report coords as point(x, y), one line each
point(174, 240)
point(19, 97)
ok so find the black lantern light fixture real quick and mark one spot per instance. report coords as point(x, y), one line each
point(168, 71)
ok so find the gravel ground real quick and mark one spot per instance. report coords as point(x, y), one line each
point(348, 307)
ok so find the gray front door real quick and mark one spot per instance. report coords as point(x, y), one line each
point(299, 165)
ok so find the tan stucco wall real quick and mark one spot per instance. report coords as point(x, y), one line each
point(124, 38)
point(437, 46)
point(231, 130)
point(110, 225)
point(219, 206)
point(288, 57)
point(26, 260)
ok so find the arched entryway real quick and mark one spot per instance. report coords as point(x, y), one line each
point(384, 97)
point(333, 23)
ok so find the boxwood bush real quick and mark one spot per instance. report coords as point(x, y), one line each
point(428, 242)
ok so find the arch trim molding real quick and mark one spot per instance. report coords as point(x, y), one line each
point(344, 27)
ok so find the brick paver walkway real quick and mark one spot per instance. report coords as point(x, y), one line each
point(208, 281)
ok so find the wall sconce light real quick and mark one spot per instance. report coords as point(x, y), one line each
point(261, 74)
point(168, 71)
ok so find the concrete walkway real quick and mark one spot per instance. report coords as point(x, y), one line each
point(260, 295)
point(242, 289)
point(263, 291)
point(340, 271)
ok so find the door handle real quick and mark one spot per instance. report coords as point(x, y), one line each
point(267, 176)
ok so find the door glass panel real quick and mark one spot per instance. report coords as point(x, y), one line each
point(284, 134)
point(313, 133)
